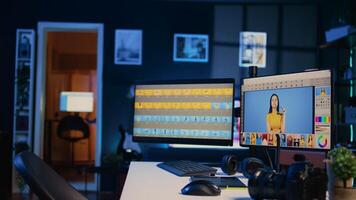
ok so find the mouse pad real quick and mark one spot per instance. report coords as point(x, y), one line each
point(220, 181)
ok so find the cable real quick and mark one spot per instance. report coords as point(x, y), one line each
point(269, 158)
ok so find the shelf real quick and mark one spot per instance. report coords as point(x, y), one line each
point(341, 37)
point(22, 132)
point(343, 124)
point(345, 83)
point(25, 107)
point(24, 59)
point(23, 114)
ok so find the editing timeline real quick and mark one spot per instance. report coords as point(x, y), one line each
point(189, 111)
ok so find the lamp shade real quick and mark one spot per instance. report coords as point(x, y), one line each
point(76, 101)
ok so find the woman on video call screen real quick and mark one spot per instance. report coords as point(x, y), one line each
point(275, 120)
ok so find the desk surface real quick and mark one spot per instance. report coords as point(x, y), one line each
point(146, 181)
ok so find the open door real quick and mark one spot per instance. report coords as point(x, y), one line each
point(69, 62)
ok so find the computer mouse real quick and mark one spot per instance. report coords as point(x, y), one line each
point(201, 188)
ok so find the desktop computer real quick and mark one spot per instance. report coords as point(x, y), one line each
point(185, 112)
point(288, 111)
point(296, 106)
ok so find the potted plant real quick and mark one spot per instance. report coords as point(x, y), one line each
point(112, 160)
point(342, 166)
point(22, 186)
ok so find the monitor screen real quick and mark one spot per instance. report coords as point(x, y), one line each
point(295, 106)
point(184, 112)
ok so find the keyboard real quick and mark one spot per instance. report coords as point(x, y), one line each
point(187, 168)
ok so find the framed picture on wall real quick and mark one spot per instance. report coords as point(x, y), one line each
point(191, 48)
point(253, 49)
point(128, 47)
point(25, 42)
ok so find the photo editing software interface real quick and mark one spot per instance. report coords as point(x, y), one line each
point(198, 113)
point(295, 106)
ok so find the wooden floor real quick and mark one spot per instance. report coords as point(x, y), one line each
point(74, 173)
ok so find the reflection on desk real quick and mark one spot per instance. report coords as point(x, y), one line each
point(146, 181)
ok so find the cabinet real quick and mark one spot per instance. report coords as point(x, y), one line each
point(23, 94)
point(344, 50)
point(23, 87)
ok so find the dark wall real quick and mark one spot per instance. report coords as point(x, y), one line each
point(159, 22)
point(6, 89)
point(292, 37)
point(6, 68)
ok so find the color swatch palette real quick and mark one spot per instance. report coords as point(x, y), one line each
point(322, 119)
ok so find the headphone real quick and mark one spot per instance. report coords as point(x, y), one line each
point(229, 164)
point(247, 167)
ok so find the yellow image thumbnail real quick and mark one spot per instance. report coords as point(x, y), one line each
point(200, 92)
point(194, 92)
point(171, 105)
point(227, 91)
point(195, 105)
point(206, 105)
point(177, 92)
point(205, 91)
point(148, 105)
point(216, 92)
point(138, 105)
point(139, 93)
point(186, 92)
point(178, 105)
point(157, 105)
point(148, 92)
point(167, 92)
point(189, 105)
point(157, 92)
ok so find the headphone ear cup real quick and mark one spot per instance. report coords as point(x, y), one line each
point(250, 165)
point(229, 164)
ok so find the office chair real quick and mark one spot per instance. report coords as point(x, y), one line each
point(43, 180)
point(73, 123)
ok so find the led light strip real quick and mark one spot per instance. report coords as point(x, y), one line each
point(351, 95)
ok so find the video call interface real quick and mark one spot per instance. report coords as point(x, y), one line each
point(295, 106)
point(184, 111)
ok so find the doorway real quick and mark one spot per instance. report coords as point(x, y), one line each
point(69, 60)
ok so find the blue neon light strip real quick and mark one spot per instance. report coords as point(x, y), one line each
point(351, 95)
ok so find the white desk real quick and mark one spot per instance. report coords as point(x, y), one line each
point(146, 181)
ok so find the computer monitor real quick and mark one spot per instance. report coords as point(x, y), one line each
point(296, 106)
point(184, 112)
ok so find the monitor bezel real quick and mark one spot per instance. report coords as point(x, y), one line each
point(331, 111)
point(166, 140)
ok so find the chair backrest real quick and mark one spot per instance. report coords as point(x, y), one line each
point(71, 123)
point(43, 180)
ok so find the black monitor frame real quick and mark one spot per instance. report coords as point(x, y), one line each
point(332, 139)
point(219, 142)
